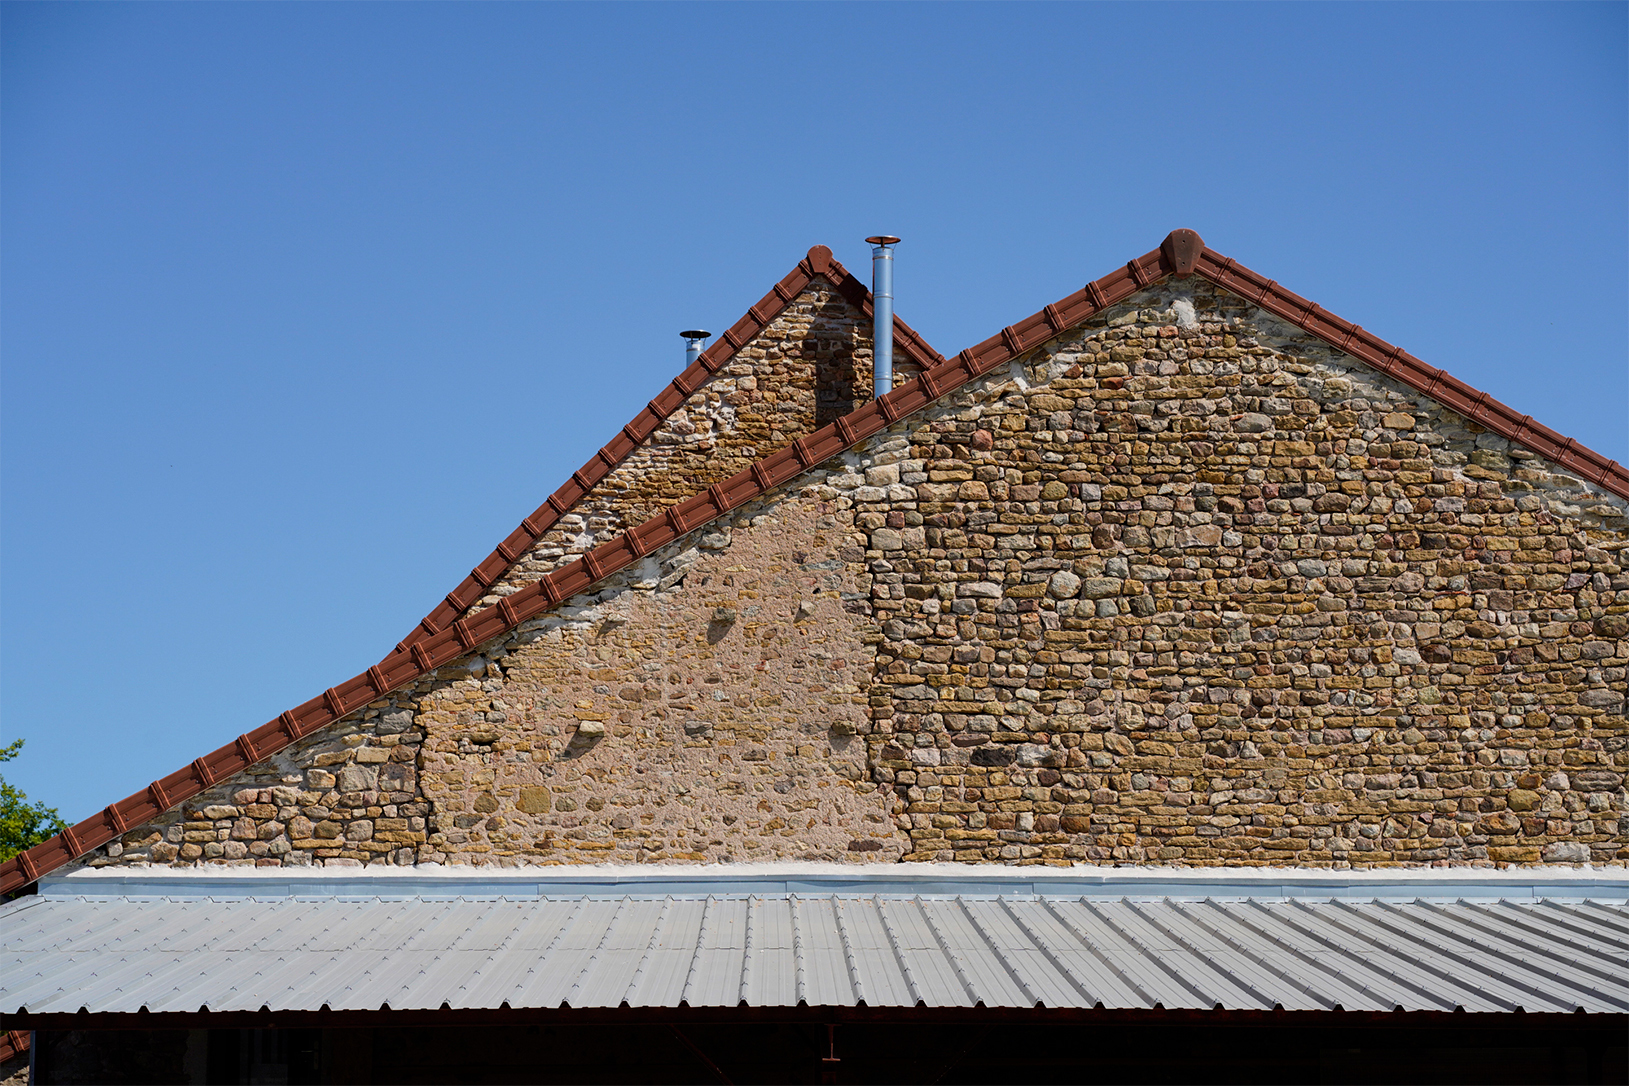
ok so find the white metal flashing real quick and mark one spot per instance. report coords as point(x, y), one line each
point(434, 881)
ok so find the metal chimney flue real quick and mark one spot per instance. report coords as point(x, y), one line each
point(882, 302)
point(693, 339)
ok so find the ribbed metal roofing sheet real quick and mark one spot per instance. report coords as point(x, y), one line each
point(1245, 951)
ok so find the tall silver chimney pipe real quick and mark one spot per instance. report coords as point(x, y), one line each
point(882, 301)
point(693, 339)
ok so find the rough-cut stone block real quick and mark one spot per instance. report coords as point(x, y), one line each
point(1095, 588)
point(356, 778)
point(1063, 585)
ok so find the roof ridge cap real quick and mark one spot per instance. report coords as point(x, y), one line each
point(1394, 362)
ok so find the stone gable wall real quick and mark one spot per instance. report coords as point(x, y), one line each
point(347, 795)
point(706, 706)
point(703, 708)
point(809, 366)
point(1182, 586)
point(1191, 587)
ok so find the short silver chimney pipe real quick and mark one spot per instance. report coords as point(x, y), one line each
point(882, 302)
point(693, 339)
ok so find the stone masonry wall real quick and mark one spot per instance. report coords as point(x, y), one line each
point(809, 366)
point(348, 795)
point(703, 708)
point(1190, 587)
point(1182, 586)
point(351, 794)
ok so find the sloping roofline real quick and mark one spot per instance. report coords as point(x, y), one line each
point(819, 263)
point(1182, 253)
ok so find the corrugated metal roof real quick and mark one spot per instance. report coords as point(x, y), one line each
point(1253, 949)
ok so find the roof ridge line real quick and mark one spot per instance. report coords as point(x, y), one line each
point(1181, 253)
point(818, 263)
point(1394, 362)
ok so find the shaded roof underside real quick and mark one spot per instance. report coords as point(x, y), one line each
point(123, 955)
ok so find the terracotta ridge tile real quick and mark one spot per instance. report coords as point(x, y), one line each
point(776, 469)
point(1395, 362)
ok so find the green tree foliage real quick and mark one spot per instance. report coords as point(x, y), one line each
point(22, 824)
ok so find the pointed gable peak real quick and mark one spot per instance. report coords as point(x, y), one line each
point(801, 321)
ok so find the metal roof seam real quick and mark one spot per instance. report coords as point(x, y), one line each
point(695, 955)
point(595, 956)
point(650, 948)
point(1355, 955)
point(1090, 944)
point(17, 905)
point(1611, 918)
point(1148, 954)
point(499, 980)
point(801, 984)
point(1260, 962)
point(956, 963)
point(492, 906)
point(1470, 921)
point(1168, 930)
point(1064, 969)
point(1509, 907)
point(1436, 971)
point(848, 949)
point(548, 951)
point(1469, 961)
point(1000, 954)
point(746, 957)
point(1515, 981)
point(1291, 948)
point(470, 981)
point(899, 954)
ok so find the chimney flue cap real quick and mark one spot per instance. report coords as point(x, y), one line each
point(695, 333)
point(882, 239)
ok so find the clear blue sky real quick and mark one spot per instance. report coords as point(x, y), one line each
point(306, 305)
